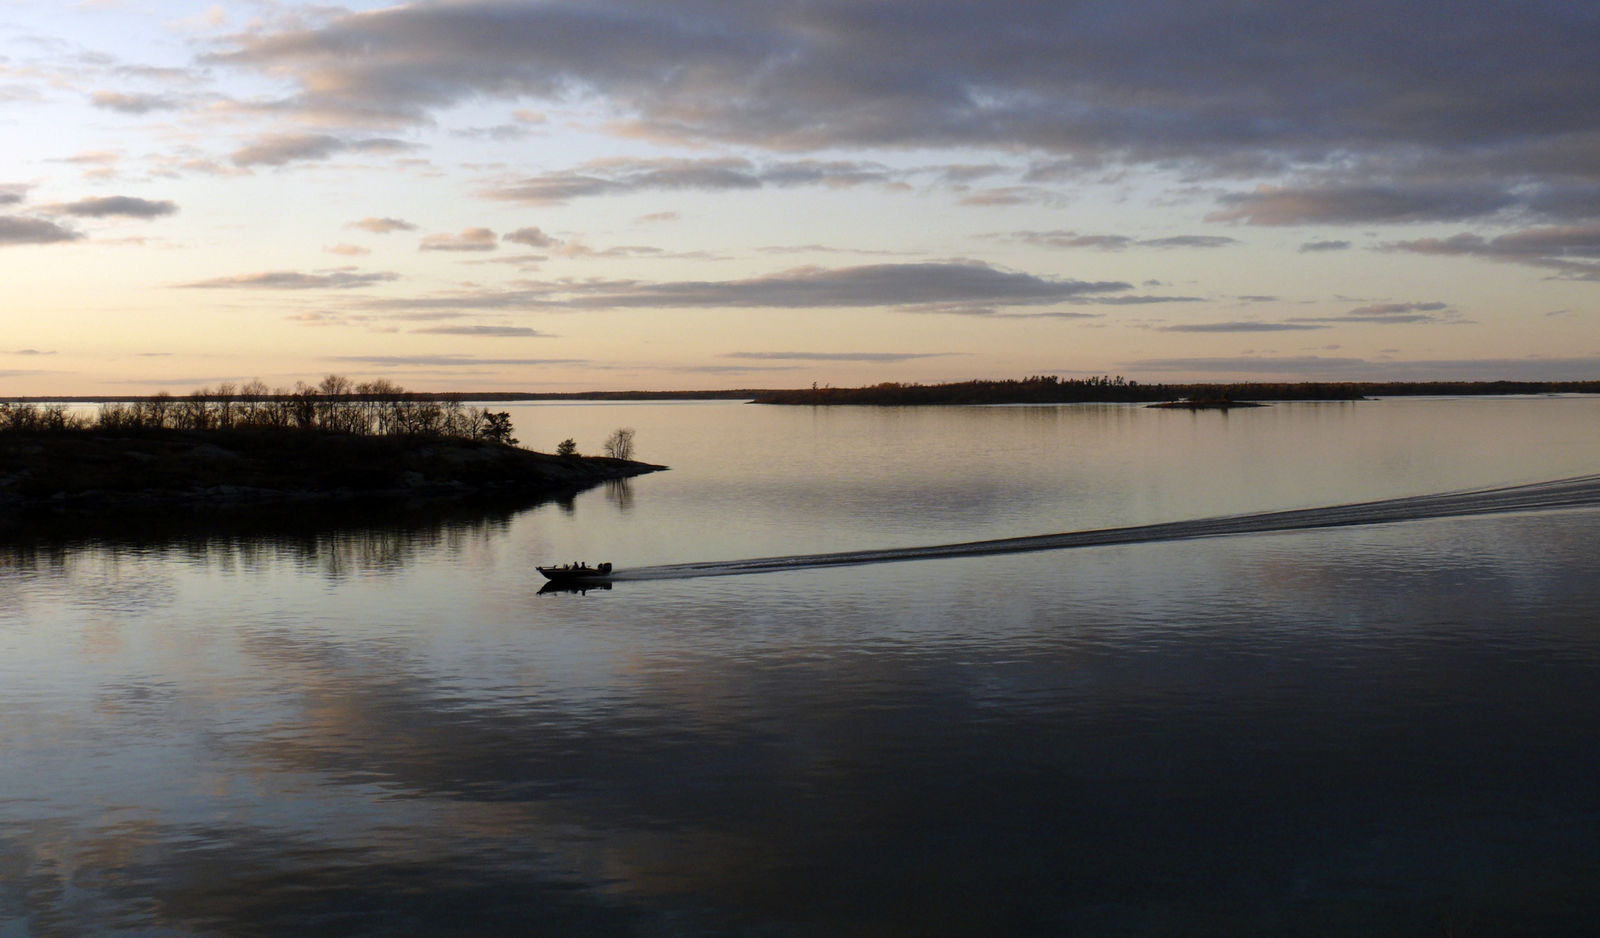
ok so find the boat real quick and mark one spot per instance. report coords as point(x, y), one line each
point(575, 573)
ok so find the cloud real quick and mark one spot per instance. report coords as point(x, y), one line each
point(1282, 205)
point(1071, 239)
point(625, 176)
point(470, 239)
point(499, 133)
point(1011, 195)
point(101, 164)
point(961, 174)
point(487, 331)
point(293, 280)
point(952, 287)
point(1056, 78)
point(1311, 247)
point(1188, 241)
point(532, 237)
point(282, 149)
point(348, 250)
point(122, 205)
point(882, 357)
point(133, 103)
point(524, 123)
point(382, 225)
point(1111, 242)
point(1572, 250)
point(13, 193)
point(1141, 300)
point(1054, 315)
point(316, 318)
point(1388, 313)
point(579, 249)
point(17, 229)
point(815, 248)
point(927, 286)
point(450, 361)
point(1241, 327)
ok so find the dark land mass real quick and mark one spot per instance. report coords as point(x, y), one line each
point(1035, 390)
point(1052, 390)
point(1203, 404)
point(59, 475)
point(742, 394)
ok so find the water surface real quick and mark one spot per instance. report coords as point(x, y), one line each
point(382, 728)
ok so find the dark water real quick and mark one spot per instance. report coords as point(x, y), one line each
point(383, 728)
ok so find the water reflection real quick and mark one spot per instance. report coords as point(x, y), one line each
point(328, 540)
point(619, 492)
point(1373, 730)
point(581, 589)
point(1308, 733)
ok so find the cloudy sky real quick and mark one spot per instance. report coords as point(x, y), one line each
point(725, 193)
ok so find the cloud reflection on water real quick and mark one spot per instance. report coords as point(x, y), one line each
point(1285, 724)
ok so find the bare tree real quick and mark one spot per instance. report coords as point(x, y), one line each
point(251, 397)
point(278, 410)
point(112, 417)
point(226, 405)
point(153, 411)
point(193, 414)
point(334, 405)
point(303, 406)
point(453, 419)
point(619, 445)
point(331, 412)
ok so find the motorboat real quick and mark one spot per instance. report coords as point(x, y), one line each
point(575, 572)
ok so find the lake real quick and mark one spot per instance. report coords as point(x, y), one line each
point(379, 726)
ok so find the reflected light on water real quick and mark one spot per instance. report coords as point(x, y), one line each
point(384, 728)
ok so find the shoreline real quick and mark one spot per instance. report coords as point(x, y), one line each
point(1034, 390)
point(84, 473)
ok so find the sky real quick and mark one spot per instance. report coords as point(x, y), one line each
point(702, 194)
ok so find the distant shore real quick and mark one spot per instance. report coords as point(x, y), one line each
point(78, 473)
point(1033, 390)
point(1204, 405)
point(1048, 389)
point(483, 397)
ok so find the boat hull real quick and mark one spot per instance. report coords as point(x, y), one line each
point(568, 573)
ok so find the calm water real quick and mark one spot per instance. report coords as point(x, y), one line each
point(381, 728)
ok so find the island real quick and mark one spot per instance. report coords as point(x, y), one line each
point(309, 449)
point(1204, 403)
point(1106, 389)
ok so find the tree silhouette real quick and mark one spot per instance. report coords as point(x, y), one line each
point(619, 445)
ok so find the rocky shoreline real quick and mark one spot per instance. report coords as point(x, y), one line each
point(83, 473)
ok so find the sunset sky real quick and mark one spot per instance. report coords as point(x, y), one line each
point(684, 194)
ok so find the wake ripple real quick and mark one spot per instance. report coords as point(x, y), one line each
point(1580, 492)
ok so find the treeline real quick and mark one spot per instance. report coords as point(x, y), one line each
point(334, 405)
point(1049, 389)
point(1039, 389)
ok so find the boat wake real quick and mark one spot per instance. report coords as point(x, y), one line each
point(1580, 492)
